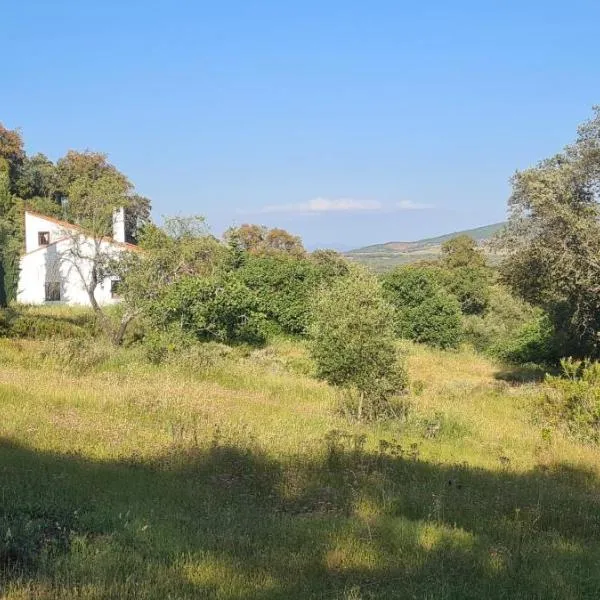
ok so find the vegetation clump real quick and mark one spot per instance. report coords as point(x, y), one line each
point(571, 400)
point(424, 311)
point(353, 342)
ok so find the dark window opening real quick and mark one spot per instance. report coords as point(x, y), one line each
point(43, 238)
point(115, 284)
point(53, 291)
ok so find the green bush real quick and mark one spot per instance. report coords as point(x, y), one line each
point(283, 286)
point(572, 401)
point(533, 342)
point(424, 311)
point(470, 286)
point(353, 343)
point(511, 330)
point(219, 308)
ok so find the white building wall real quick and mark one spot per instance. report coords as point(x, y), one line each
point(56, 264)
point(35, 224)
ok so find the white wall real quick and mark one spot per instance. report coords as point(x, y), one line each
point(55, 263)
point(35, 224)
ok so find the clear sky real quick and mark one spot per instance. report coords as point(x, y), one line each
point(347, 122)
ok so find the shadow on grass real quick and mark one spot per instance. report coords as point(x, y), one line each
point(527, 373)
point(230, 522)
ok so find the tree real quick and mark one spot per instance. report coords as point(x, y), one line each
point(465, 274)
point(552, 241)
point(462, 251)
point(330, 263)
point(94, 189)
point(261, 241)
point(182, 249)
point(12, 152)
point(470, 286)
point(38, 178)
point(218, 307)
point(11, 236)
point(286, 284)
point(425, 311)
point(352, 341)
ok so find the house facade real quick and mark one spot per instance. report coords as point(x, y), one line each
point(58, 259)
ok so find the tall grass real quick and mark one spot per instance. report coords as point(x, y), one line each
point(240, 479)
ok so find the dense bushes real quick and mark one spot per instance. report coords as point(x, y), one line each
point(285, 284)
point(424, 310)
point(470, 286)
point(572, 401)
point(511, 330)
point(282, 285)
point(220, 308)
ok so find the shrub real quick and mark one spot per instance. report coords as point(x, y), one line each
point(219, 308)
point(572, 401)
point(532, 342)
point(470, 286)
point(283, 286)
point(424, 311)
point(511, 330)
point(353, 342)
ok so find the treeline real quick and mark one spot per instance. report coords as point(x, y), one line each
point(186, 285)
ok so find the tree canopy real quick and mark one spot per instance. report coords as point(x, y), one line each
point(553, 240)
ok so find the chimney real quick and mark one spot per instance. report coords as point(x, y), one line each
point(119, 225)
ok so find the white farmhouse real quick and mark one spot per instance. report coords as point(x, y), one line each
point(57, 261)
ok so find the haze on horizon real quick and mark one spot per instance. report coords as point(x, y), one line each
point(348, 123)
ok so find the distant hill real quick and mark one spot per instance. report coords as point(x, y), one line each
point(383, 257)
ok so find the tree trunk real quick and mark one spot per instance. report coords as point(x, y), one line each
point(120, 333)
point(360, 406)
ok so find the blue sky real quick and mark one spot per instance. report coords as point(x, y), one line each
point(345, 122)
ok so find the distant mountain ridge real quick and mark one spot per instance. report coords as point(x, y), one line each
point(382, 257)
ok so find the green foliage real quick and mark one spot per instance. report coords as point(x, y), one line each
point(553, 241)
point(470, 286)
point(284, 286)
point(532, 342)
point(38, 178)
point(572, 401)
point(465, 275)
point(219, 308)
point(41, 324)
point(352, 341)
point(511, 330)
point(11, 237)
point(425, 312)
point(461, 251)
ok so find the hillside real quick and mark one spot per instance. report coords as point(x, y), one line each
point(382, 257)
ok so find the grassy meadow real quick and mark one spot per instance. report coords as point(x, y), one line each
point(233, 475)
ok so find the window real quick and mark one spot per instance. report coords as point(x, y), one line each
point(43, 238)
point(114, 288)
point(53, 291)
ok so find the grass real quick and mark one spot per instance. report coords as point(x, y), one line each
point(119, 479)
